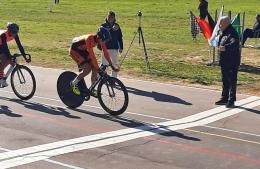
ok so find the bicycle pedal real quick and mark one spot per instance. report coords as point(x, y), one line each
point(86, 98)
point(94, 95)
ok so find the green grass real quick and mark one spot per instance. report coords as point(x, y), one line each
point(174, 56)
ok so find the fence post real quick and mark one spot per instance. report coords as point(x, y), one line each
point(51, 4)
point(229, 14)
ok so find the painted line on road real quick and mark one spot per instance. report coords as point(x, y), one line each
point(150, 82)
point(160, 118)
point(155, 117)
point(233, 131)
point(50, 161)
point(91, 106)
point(223, 136)
point(206, 150)
point(41, 152)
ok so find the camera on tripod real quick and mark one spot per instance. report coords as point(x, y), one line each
point(141, 40)
point(139, 13)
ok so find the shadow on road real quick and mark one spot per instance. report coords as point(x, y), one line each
point(250, 69)
point(43, 108)
point(248, 109)
point(6, 111)
point(160, 97)
point(131, 123)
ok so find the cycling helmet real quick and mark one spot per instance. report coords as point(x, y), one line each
point(13, 28)
point(103, 34)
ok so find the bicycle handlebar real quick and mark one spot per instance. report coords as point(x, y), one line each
point(103, 67)
point(102, 70)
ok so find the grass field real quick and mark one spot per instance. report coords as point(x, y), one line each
point(174, 56)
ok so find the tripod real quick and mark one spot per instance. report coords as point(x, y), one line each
point(141, 38)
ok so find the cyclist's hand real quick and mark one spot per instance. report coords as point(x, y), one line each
point(28, 60)
point(116, 69)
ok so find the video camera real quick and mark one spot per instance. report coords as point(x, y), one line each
point(139, 13)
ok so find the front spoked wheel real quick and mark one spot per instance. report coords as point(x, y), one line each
point(23, 82)
point(113, 96)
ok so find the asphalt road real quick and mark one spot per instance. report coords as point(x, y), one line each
point(165, 127)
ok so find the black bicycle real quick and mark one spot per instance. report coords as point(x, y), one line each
point(111, 92)
point(22, 79)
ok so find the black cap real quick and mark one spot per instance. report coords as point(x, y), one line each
point(111, 13)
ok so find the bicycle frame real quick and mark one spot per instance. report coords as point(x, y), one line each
point(13, 66)
point(102, 75)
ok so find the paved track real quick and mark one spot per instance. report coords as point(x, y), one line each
point(165, 127)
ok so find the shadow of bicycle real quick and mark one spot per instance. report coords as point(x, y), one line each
point(141, 126)
point(57, 111)
point(160, 97)
point(6, 111)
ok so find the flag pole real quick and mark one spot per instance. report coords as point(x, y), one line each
point(242, 37)
point(214, 48)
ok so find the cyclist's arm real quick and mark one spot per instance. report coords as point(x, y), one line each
point(106, 54)
point(19, 45)
point(4, 47)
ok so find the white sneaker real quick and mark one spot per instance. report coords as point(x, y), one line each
point(3, 83)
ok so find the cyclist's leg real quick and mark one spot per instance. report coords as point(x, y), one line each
point(94, 68)
point(81, 58)
point(4, 61)
point(86, 67)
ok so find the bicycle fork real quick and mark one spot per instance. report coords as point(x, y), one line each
point(11, 68)
point(110, 89)
point(19, 73)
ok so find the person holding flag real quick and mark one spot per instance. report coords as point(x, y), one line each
point(229, 61)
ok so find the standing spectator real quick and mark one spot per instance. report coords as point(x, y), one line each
point(57, 1)
point(251, 33)
point(115, 45)
point(229, 61)
point(203, 7)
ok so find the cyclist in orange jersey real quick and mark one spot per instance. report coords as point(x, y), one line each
point(82, 53)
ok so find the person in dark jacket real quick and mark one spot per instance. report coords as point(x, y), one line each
point(203, 8)
point(251, 33)
point(115, 45)
point(229, 62)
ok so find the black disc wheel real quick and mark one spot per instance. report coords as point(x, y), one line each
point(67, 96)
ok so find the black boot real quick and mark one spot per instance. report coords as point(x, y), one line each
point(222, 101)
point(230, 104)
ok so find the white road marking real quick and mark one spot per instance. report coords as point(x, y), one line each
point(137, 114)
point(50, 161)
point(85, 105)
point(62, 164)
point(148, 81)
point(234, 131)
point(41, 152)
